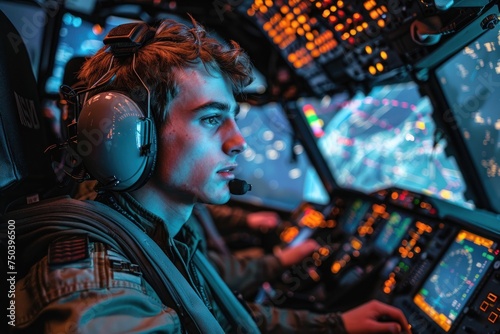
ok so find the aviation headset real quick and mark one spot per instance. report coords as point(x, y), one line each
point(116, 140)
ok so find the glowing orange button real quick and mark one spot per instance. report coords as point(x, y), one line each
point(492, 297)
point(484, 306)
point(492, 317)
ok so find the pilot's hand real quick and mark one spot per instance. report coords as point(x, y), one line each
point(367, 318)
point(294, 254)
point(263, 220)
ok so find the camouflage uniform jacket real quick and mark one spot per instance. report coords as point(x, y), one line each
point(85, 286)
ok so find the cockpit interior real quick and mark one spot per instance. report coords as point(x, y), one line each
point(371, 127)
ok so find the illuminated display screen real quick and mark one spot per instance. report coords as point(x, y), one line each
point(351, 218)
point(306, 215)
point(311, 218)
point(450, 285)
point(306, 219)
point(470, 82)
point(394, 230)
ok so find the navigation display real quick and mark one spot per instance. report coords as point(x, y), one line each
point(452, 282)
point(471, 84)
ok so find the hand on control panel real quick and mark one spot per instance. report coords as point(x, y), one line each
point(375, 317)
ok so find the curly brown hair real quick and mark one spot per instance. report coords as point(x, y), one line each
point(174, 45)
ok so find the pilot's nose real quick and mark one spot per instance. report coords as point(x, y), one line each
point(234, 143)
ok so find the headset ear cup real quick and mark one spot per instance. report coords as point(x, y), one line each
point(148, 151)
point(116, 141)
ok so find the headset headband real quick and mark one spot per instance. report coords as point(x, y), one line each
point(124, 40)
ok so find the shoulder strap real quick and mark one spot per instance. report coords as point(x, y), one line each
point(98, 220)
point(214, 239)
point(241, 318)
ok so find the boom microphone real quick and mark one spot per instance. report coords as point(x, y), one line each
point(239, 187)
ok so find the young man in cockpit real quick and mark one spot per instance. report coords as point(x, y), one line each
point(189, 82)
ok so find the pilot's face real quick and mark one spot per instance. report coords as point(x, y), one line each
point(199, 143)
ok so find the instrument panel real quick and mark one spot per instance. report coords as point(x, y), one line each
point(335, 43)
point(394, 246)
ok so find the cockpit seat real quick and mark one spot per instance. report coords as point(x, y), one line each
point(26, 173)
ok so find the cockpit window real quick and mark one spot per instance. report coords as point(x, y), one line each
point(383, 139)
point(275, 162)
point(471, 84)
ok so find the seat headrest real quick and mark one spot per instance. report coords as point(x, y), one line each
point(25, 170)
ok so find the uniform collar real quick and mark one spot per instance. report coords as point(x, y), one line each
point(153, 225)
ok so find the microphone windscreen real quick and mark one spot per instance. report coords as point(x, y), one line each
point(239, 187)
